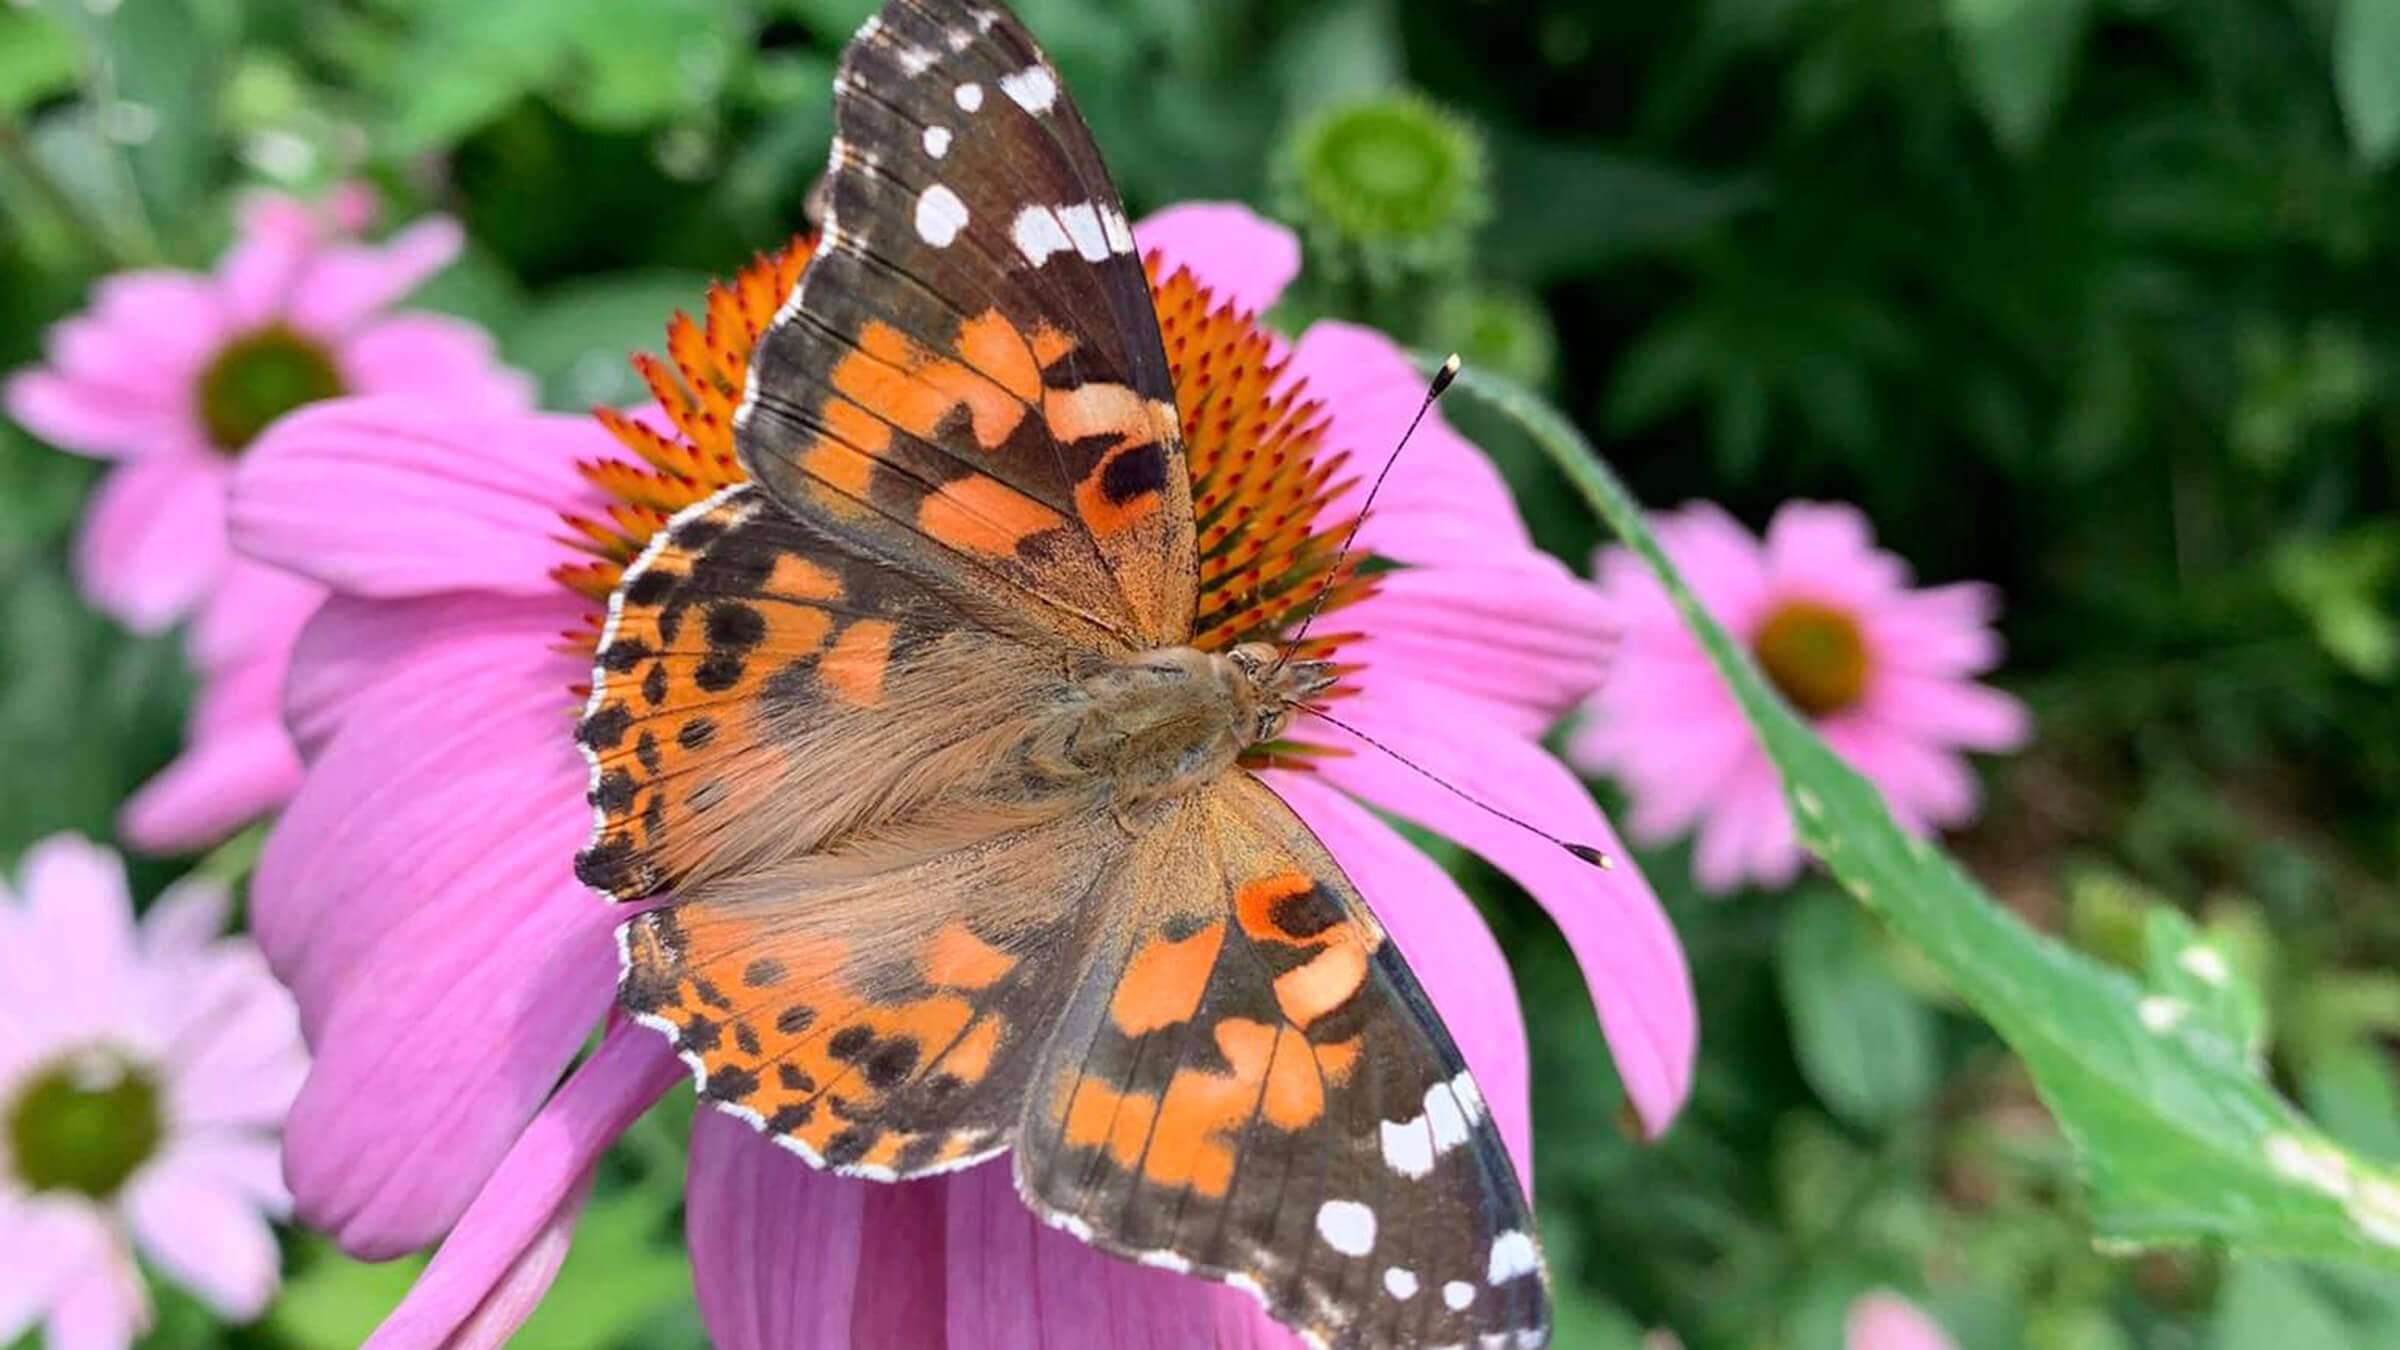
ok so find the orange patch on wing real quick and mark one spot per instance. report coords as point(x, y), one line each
point(1279, 1061)
point(972, 1057)
point(798, 578)
point(1326, 982)
point(1337, 1059)
point(1164, 980)
point(993, 345)
point(853, 667)
point(1254, 904)
point(1049, 344)
point(983, 514)
point(1099, 1116)
point(1098, 409)
point(916, 389)
point(957, 959)
point(1102, 516)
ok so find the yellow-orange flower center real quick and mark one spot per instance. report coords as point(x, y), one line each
point(1261, 479)
point(1814, 654)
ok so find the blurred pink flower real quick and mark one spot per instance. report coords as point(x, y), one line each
point(419, 897)
point(1882, 669)
point(1883, 1320)
point(144, 1070)
point(171, 375)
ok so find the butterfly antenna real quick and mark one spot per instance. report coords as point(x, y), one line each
point(1583, 851)
point(1441, 381)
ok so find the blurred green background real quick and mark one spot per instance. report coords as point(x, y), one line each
point(2098, 300)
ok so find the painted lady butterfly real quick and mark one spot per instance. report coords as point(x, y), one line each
point(912, 727)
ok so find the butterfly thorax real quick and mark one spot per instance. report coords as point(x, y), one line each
point(1165, 722)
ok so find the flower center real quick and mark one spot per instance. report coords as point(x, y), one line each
point(1814, 654)
point(84, 1123)
point(260, 376)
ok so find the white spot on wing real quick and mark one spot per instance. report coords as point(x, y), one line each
point(1347, 1226)
point(1166, 1260)
point(1400, 1282)
point(914, 60)
point(1458, 1294)
point(940, 216)
point(969, 96)
point(1408, 1146)
point(1513, 1254)
point(1032, 88)
point(1118, 232)
point(1082, 222)
point(937, 141)
point(1038, 234)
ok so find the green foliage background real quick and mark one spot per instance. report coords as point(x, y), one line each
point(2093, 299)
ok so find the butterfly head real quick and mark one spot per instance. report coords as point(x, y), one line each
point(1277, 687)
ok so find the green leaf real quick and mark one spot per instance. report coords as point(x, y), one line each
point(161, 65)
point(1865, 1044)
point(1573, 208)
point(576, 339)
point(38, 58)
point(2268, 1306)
point(2177, 1144)
point(2016, 56)
point(2366, 75)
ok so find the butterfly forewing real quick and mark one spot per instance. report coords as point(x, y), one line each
point(972, 353)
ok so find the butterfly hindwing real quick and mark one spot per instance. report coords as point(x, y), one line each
point(1257, 1090)
point(972, 354)
point(878, 1011)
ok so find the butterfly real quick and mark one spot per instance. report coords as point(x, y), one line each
point(936, 807)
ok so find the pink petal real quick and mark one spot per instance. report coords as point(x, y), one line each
point(207, 1237)
point(1443, 501)
point(216, 786)
point(1447, 946)
point(434, 356)
point(1948, 711)
point(356, 653)
point(81, 937)
point(153, 540)
point(345, 283)
point(1826, 551)
point(239, 1067)
point(1942, 630)
point(776, 1245)
point(418, 896)
point(90, 420)
point(179, 315)
point(1925, 784)
point(103, 1308)
point(392, 497)
point(250, 619)
point(186, 918)
point(1628, 952)
point(1523, 640)
point(1244, 258)
point(506, 1247)
point(270, 251)
point(1738, 828)
point(1885, 1321)
point(1721, 562)
point(1016, 1282)
point(248, 1163)
point(47, 1246)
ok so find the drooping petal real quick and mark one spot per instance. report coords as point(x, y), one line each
point(358, 653)
point(207, 1237)
point(217, 785)
point(507, 1244)
point(777, 1245)
point(153, 540)
point(90, 420)
point(419, 898)
point(78, 965)
point(394, 497)
point(102, 1308)
point(1241, 256)
point(1611, 920)
point(1948, 711)
point(1445, 942)
point(1519, 640)
point(1015, 1283)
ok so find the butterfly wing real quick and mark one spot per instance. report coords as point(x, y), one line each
point(879, 1012)
point(1256, 1089)
point(972, 353)
point(769, 684)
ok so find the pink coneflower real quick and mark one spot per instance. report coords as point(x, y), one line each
point(172, 375)
point(144, 1069)
point(1882, 669)
point(1883, 1320)
point(419, 896)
